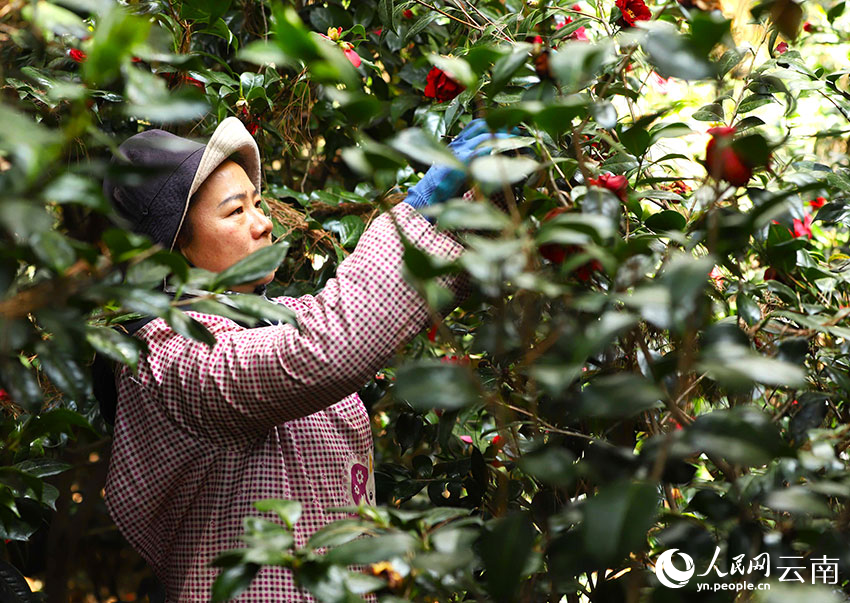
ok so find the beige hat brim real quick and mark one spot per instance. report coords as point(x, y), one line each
point(230, 137)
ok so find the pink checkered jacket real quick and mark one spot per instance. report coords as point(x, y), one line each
point(201, 433)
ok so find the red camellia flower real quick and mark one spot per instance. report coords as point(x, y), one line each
point(558, 253)
point(77, 55)
point(618, 185)
point(782, 48)
point(408, 14)
point(721, 160)
point(817, 203)
point(441, 86)
point(808, 27)
point(633, 11)
point(576, 7)
point(804, 227)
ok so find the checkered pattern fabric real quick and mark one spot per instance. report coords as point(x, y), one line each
point(201, 433)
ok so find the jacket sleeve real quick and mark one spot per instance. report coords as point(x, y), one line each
point(253, 379)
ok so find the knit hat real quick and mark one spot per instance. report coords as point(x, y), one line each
point(156, 204)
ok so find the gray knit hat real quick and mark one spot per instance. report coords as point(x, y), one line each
point(157, 205)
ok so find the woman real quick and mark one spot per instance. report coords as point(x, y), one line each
point(202, 432)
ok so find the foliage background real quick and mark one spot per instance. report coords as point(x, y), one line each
point(639, 405)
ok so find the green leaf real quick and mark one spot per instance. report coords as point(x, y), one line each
point(291, 36)
point(740, 435)
point(461, 214)
point(550, 464)
point(288, 510)
point(348, 228)
point(617, 519)
point(76, 188)
point(386, 14)
point(13, 586)
point(117, 35)
point(576, 63)
point(674, 55)
point(748, 309)
point(798, 500)
point(502, 170)
point(233, 581)
point(506, 67)
point(338, 532)
point(620, 395)
point(53, 423)
point(604, 113)
point(21, 384)
point(738, 367)
point(64, 370)
point(504, 548)
point(148, 98)
point(188, 327)
point(260, 308)
point(54, 250)
point(420, 146)
point(252, 268)
point(373, 549)
point(667, 219)
point(427, 384)
point(636, 140)
point(42, 467)
point(54, 19)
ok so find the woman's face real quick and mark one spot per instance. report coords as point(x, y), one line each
point(228, 223)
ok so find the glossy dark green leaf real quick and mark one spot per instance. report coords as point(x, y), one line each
point(254, 267)
point(740, 435)
point(233, 581)
point(428, 384)
point(619, 395)
point(675, 55)
point(506, 67)
point(551, 465)
point(748, 309)
point(13, 586)
point(667, 219)
point(288, 510)
point(42, 467)
point(117, 34)
point(188, 327)
point(617, 519)
point(501, 561)
point(55, 422)
point(373, 549)
point(576, 63)
point(337, 533)
point(465, 215)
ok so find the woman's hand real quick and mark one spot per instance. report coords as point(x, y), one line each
point(442, 182)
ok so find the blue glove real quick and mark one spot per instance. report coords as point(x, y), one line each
point(442, 182)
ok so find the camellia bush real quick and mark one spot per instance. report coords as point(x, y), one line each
point(645, 397)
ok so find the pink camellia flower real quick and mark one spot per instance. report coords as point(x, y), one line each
point(817, 203)
point(579, 34)
point(77, 55)
point(716, 276)
point(347, 47)
point(660, 83)
point(804, 227)
point(351, 54)
point(466, 438)
point(782, 48)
